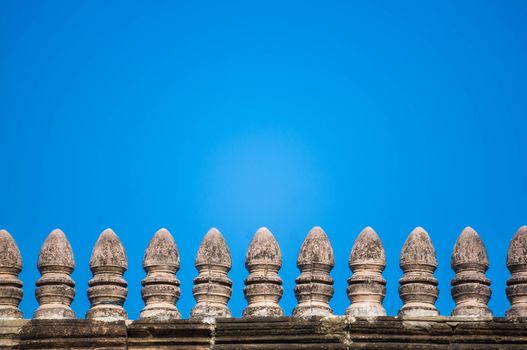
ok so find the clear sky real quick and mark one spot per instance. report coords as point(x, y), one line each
point(194, 114)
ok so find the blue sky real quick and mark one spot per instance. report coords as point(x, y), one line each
point(189, 115)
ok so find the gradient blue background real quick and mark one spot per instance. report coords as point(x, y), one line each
point(138, 116)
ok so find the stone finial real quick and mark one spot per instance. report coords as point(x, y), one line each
point(470, 287)
point(517, 265)
point(263, 286)
point(107, 289)
point(161, 287)
point(367, 287)
point(212, 287)
point(314, 286)
point(418, 286)
point(10, 285)
point(55, 288)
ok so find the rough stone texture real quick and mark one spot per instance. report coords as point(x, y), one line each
point(193, 334)
point(212, 287)
point(10, 285)
point(314, 286)
point(314, 289)
point(273, 333)
point(107, 289)
point(470, 287)
point(263, 287)
point(10, 333)
point(418, 286)
point(161, 287)
point(517, 265)
point(73, 334)
point(367, 287)
point(55, 288)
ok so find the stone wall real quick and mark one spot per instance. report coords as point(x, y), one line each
point(269, 333)
point(312, 324)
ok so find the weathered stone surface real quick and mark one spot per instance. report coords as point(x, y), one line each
point(212, 287)
point(107, 289)
point(10, 285)
point(10, 333)
point(193, 334)
point(74, 334)
point(470, 287)
point(263, 287)
point(331, 333)
point(314, 286)
point(161, 287)
point(55, 288)
point(517, 265)
point(418, 286)
point(367, 287)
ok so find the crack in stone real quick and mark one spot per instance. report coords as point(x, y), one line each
point(211, 322)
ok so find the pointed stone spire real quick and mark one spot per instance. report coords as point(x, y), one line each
point(263, 286)
point(367, 287)
point(107, 289)
point(55, 288)
point(517, 265)
point(314, 286)
point(418, 286)
point(10, 285)
point(470, 287)
point(212, 287)
point(161, 287)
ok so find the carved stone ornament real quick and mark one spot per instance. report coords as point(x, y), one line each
point(107, 289)
point(212, 287)
point(418, 286)
point(367, 287)
point(263, 287)
point(55, 288)
point(517, 265)
point(314, 286)
point(161, 287)
point(10, 285)
point(470, 287)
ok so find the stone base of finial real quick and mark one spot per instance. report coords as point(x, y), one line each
point(161, 313)
point(472, 310)
point(263, 311)
point(305, 311)
point(107, 313)
point(8, 312)
point(365, 309)
point(517, 310)
point(418, 310)
point(201, 311)
point(53, 311)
